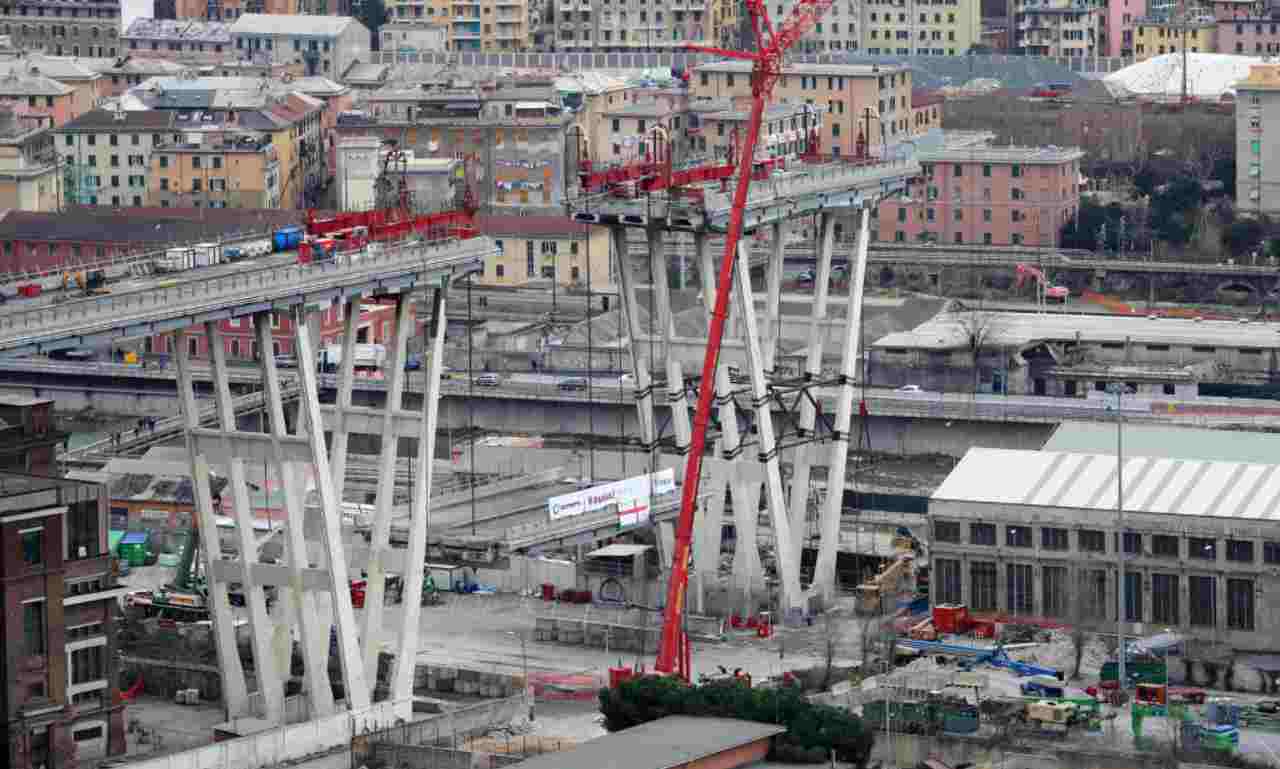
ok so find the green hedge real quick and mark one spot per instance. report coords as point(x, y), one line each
point(813, 731)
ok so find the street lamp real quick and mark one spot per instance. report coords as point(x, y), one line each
point(1118, 390)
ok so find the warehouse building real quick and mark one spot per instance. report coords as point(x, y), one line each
point(1036, 533)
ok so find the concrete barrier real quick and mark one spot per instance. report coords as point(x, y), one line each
point(622, 635)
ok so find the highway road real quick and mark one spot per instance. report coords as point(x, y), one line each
point(612, 390)
point(194, 297)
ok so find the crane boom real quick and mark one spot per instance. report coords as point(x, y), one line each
point(766, 67)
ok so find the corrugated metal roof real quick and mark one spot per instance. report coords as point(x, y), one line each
point(1169, 441)
point(1159, 485)
point(951, 330)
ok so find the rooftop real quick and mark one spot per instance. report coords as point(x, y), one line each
point(1050, 155)
point(1262, 77)
point(181, 29)
point(121, 120)
point(837, 70)
point(25, 83)
point(668, 742)
point(56, 67)
point(1156, 485)
point(950, 330)
point(1166, 441)
point(527, 226)
point(291, 25)
point(646, 109)
point(17, 490)
point(779, 111)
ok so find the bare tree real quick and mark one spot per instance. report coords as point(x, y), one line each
point(976, 326)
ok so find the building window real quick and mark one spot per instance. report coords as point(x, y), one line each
point(1164, 599)
point(1132, 596)
point(1054, 539)
point(1202, 549)
point(87, 665)
point(946, 531)
point(33, 628)
point(982, 534)
point(1055, 594)
point(947, 574)
point(32, 546)
point(982, 586)
point(1203, 600)
point(1240, 604)
point(1165, 546)
point(1017, 171)
point(1020, 588)
point(1133, 542)
point(530, 269)
point(1092, 541)
point(1093, 595)
point(82, 529)
point(1017, 536)
point(1240, 550)
point(1271, 552)
point(986, 214)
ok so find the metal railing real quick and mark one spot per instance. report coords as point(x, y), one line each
point(194, 294)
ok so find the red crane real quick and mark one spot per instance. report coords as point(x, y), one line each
point(766, 68)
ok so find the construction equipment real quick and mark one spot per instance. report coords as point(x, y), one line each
point(430, 593)
point(186, 598)
point(673, 653)
point(881, 591)
point(1046, 291)
point(995, 656)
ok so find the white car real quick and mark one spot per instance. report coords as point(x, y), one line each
point(909, 389)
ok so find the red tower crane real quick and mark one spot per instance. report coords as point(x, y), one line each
point(766, 68)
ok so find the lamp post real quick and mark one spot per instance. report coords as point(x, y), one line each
point(1118, 390)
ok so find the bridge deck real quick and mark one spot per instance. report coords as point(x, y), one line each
point(191, 298)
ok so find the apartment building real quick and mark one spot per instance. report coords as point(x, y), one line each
point(294, 121)
point(511, 139)
point(30, 436)
point(413, 37)
point(784, 130)
point(858, 99)
point(36, 95)
point(107, 155)
point(1115, 37)
point(432, 184)
point(920, 27)
point(1251, 36)
point(80, 74)
point(489, 25)
point(58, 588)
point(1069, 28)
point(226, 169)
point(121, 73)
point(230, 10)
point(439, 11)
point(1155, 36)
point(545, 248)
point(184, 39)
point(1258, 138)
point(624, 25)
point(973, 192)
point(62, 27)
point(327, 45)
point(838, 30)
point(30, 177)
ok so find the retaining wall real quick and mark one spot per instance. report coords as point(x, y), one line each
point(621, 635)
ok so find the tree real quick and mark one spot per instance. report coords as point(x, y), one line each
point(373, 14)
point(1242, 236)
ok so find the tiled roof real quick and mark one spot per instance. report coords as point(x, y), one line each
point(181, 29)
point(125, 120)
point(25, 84)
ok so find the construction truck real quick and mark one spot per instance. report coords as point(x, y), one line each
point(186, 598)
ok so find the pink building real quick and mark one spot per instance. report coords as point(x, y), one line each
point(973, 193)
point(1254, 36)
point(1224, 10)
point(1117, 26)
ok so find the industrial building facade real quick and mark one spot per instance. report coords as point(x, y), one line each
point(1037, 534)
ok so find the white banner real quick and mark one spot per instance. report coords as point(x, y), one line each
point(631, 495)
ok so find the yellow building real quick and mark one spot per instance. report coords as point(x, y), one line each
point(228, 170)
point(857, 98)
point(1153, 37)
point(533, 248)
point(489, 25)
point(920, 27)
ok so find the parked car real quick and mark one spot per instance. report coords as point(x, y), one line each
point(488, 380)
point(909, 389)
point(573, 383)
